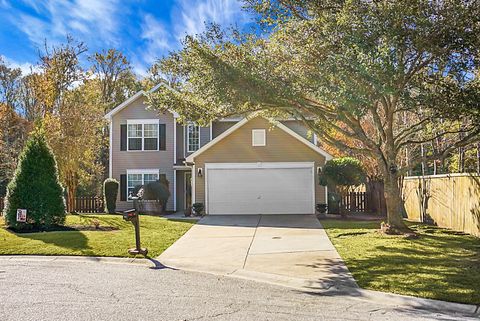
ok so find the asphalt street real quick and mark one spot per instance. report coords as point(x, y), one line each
point(76, 290)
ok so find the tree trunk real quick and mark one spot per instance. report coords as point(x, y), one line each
point(461, 160)
point(394, 202)
point(72, 183)
point(478, 158)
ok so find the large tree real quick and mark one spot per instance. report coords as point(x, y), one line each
point(115, 80)
point(354, 68)
point(59, 70)
point(115, 77)
point(68, 104)
point(10, 79)
point(13, 135)
point(74, 133)
point(13, 128)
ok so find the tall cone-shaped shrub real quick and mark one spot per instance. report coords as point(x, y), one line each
point(35, 187)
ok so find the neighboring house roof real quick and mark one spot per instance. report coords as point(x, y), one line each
point(217, 139)
point(132, 99)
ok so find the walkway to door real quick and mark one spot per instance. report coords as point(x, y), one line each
point(291, 250)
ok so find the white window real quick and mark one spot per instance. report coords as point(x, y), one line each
point(193, 138)
point(142, 134)
point(137, 178)
point(258, 137)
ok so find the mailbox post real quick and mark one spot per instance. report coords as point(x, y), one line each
point(132, 216)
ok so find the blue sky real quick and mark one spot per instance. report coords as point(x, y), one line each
point(143, 29)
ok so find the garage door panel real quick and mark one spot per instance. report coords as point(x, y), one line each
point(260, 190)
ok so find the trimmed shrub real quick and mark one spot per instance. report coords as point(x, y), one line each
point(110, 192)
point(344, 171)
point(198, 208)
point(157, 191)
point(341, 174)
point(35, 187)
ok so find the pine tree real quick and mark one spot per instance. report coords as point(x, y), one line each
point(35, 187)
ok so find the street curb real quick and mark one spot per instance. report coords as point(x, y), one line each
point(304, 285)
point(81, 259)
point(421, 303)
point(328, 288)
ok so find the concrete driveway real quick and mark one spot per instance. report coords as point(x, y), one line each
point(291, 250)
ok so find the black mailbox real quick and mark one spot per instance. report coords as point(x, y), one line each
point(129, 215)
point(132, 216)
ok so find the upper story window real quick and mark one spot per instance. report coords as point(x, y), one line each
point(259, 137)
point(193, 138)
point(142, 135)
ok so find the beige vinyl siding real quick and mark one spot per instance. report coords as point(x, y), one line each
point(237, 148)
point(295, 125)
point(219, 127)
point(180, 144)
point(298, 127)
point(123, 160)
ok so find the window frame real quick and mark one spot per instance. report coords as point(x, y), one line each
point(142, 172)
point(264, 133)
point(143, 122)
point(188, 137)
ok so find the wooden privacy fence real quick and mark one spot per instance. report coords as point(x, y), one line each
point(368, 198)
point(89, 204)
point(83, 204)
point(355, 202)
point(451, 201)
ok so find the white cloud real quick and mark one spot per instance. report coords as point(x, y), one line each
point(25, 67)
point(106, 23)
point(156, 36)
point(4, 4)
point(188, 17)
point(91, 19)
point(194, 16)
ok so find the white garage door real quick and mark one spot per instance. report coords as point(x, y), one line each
point(260, 188)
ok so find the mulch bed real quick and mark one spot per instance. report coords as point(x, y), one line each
point(61, 228)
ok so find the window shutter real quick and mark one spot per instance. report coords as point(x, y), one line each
point(162, 178)
point(162, 139)
point(123, 187)
point(123, 137)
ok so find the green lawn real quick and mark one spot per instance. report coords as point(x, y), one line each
point(438, 265)
point(157, 234)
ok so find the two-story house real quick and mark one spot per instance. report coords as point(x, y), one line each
point(234, 166)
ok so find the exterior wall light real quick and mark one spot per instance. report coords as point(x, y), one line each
point(200, 172)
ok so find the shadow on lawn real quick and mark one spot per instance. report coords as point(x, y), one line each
point(73, 240)
point(437, 265)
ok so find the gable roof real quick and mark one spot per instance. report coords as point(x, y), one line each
point(127, 102)
point(281, 126)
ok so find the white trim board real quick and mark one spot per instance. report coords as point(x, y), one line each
point(143, 171)
point(174, 190)
point(143, 121)
point(305, 141)
point(259, 165)
point(110, 150)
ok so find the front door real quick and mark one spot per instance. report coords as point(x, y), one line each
point(188, 190)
